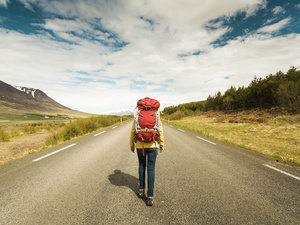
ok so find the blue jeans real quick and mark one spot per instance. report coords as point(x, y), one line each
point(147, 161)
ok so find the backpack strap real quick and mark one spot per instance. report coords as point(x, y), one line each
point(136, 120)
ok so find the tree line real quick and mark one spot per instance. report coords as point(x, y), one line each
point(279, 90)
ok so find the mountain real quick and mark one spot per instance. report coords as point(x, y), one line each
point(24, 100)
point(123, 113)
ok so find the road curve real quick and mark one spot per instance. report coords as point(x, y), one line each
point(93, 180)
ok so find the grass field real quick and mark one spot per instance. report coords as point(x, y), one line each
point(8, 117)
point(275, 137)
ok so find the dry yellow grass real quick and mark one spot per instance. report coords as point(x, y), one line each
point(21, 146)
point(278, 138)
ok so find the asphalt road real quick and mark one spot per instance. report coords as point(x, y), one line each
point(93, 180)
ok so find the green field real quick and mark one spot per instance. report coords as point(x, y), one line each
point(9, 118)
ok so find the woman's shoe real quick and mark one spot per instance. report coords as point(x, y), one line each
point(141, 193)
point(150, 201)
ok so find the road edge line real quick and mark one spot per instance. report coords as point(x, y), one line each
point(52, 153)
point(281, 171)
point(206, 140)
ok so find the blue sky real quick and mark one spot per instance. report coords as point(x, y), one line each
point(101, 56)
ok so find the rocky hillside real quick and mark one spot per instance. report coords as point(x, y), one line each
point(24, 100)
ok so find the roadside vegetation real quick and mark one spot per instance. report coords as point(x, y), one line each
point(81, 127)
point(8, 131)
point(49, 133)
point(274, 137)
point(263, 117)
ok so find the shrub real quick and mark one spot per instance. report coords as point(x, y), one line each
point(14, 133)
point(80, 127)
point(71, 130)
point(53, 139)
point(29, 129)
point(3, 135)
point(177, 115)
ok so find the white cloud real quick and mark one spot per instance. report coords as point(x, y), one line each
point(278, 10)
point(157, 32)
point(77, 31)
point(29, 4)
point(3, 3)
point(274, 27)
point(252, 9)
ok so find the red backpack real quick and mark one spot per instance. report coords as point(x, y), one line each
point(147, 121)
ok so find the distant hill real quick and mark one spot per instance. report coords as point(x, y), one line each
point(24, 100)
point(122, 113)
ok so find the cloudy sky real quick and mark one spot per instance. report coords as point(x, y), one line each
point(101, 56)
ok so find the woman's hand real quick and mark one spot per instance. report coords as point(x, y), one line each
point(161, 149)
point(132, 149)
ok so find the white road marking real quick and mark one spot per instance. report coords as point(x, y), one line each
point(181, 130)
point(278, 170)
point(52, 153)
point(114, 127)
point(205, 140)
point(99, 133)
point(170, 126)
